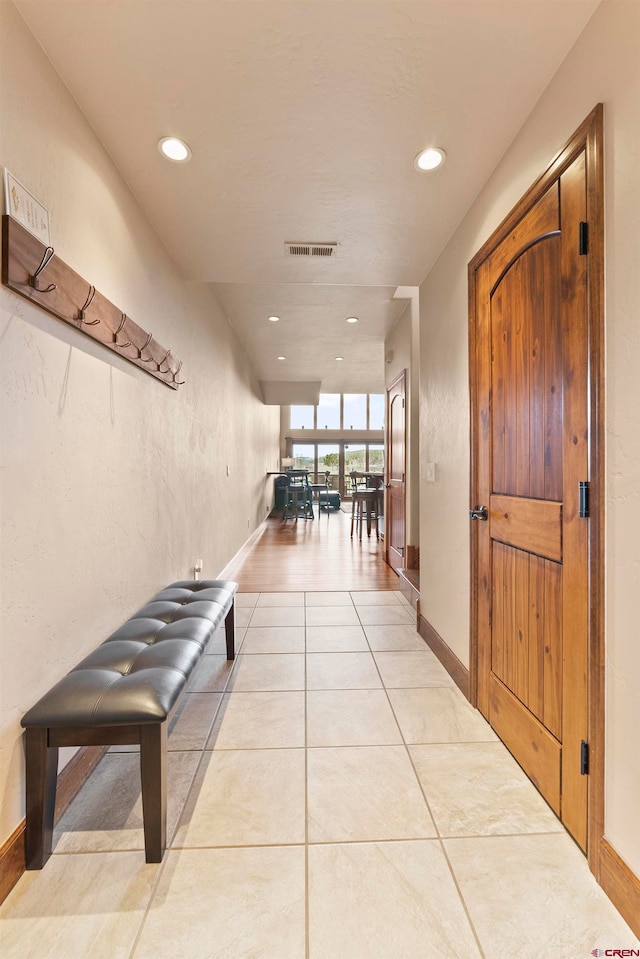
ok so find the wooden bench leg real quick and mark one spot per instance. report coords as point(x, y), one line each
point(229, 628)
point(41, 775)
point(153, 776)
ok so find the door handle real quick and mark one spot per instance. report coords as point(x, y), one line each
point(480, 512)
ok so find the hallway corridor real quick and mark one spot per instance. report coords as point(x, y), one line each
point(331, 795)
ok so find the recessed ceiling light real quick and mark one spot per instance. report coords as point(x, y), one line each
point(352, 319)
point(339, 358)
point(274, 319)
point(429, 159)
point(174, 149)
point(282, 357)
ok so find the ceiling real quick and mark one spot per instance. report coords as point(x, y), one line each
point(304, 117)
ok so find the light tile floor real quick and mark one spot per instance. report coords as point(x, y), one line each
point(331, 796)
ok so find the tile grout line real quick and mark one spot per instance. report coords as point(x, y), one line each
point(474, 932)
point(438, 837)
point(440, 840)
point(169, 847)
point(147, 910)
point(312, 843)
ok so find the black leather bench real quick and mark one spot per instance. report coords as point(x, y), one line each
point(124, 693)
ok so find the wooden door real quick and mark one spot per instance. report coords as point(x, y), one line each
point(396, 459)
point(532, 436)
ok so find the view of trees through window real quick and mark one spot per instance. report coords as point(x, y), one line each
point(329, 459)
point(304, 457)
point(339, 459)
point(367, 457)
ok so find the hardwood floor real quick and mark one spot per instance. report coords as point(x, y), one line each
point(311, 555)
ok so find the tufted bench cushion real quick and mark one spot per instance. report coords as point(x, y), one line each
point(122, 693)
point(139, 672)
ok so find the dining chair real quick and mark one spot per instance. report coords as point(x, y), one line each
point(298, 503)
point(364, 502)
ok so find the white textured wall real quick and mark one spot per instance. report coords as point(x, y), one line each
point(111, 484)
point(603, 66)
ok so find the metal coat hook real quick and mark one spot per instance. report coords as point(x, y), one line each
point(87, 303)
point(143, 348)
point(163, 360)
point(178, 382)
point(47, 256)
point(122, 346)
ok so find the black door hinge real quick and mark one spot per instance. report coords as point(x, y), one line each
point(583, 508)
point(584, 758)
point(584, 238)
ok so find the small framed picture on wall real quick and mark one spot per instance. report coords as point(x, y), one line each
point(23, 207)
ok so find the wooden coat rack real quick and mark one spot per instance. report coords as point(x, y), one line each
point(32, 270)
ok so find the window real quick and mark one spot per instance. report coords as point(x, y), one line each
point(339, 458)
point(329, 459)
point(376, 411)
point(302, 417)
point(303, 456)
point(376, 458)
point(355, 411)
point(360, 411)
point(329, 411)
point(355, 458)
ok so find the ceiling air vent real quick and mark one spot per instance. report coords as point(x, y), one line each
point(311, 249)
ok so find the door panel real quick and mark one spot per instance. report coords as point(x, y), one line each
point(531, 310)
point(541, 220)
point(532, 524)
point(526, 634)
point(526, 374)
point(537, 751)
